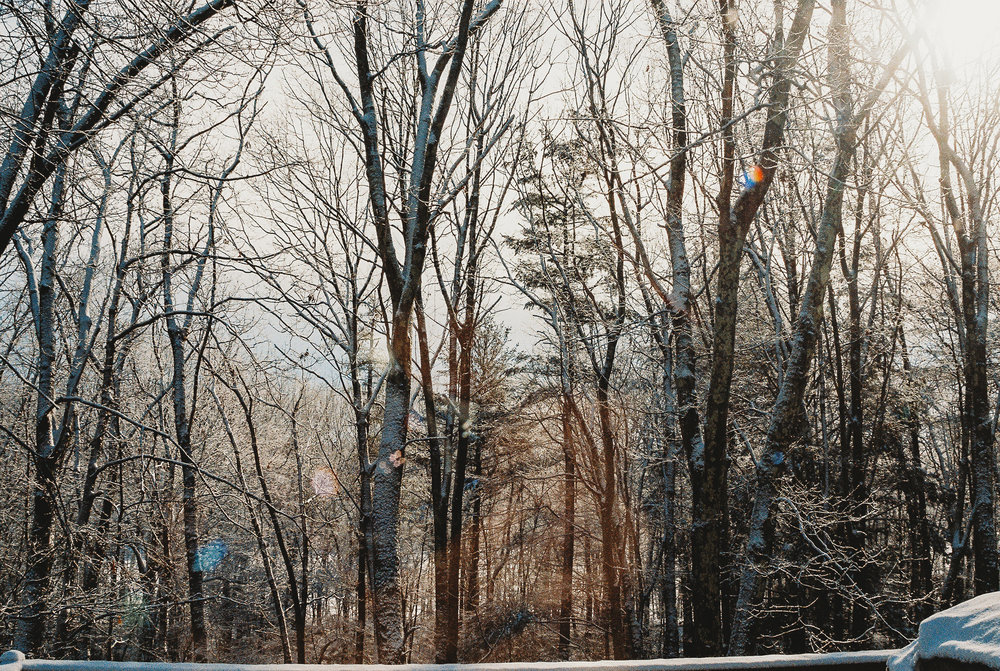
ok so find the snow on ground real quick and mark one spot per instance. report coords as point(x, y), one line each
point(969, 632)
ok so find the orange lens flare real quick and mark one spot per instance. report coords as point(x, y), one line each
point(753, 176)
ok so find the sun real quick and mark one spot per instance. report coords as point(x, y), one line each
point(964, 32)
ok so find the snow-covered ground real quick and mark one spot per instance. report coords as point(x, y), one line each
point(969, 632)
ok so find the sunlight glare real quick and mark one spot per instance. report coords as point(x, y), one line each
point(964, 31)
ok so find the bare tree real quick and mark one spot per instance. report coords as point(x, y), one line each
point(971, 302)
point(417, 210)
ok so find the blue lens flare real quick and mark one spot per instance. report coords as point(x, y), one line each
point(752, 177)
point(209, 555)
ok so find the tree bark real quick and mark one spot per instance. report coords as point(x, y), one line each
point(360, 601)
point(29, 636)
point(470, 604)
point(387, 480)
point(568, 532)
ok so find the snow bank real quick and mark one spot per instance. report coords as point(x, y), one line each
point(969, 632)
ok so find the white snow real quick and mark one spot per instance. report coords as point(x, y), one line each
point(969, 632)
point(905, 659)
point(789, 662)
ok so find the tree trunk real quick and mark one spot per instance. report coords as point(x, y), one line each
point(177, 336)
point(29, 636)
point(668, 580)
point(387, 480)
point(439, 490)
point(684, 371)
point(856, 493)
point(458, 485)
point(471, 602)
point(569, 535)
point(611, 538)
point(709, 481)
point(975, 299)
point(360, 601)
point(915, 491)
point(189, 467)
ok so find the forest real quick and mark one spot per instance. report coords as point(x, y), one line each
point(495, 330)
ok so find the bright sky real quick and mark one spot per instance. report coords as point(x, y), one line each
point(965, 30)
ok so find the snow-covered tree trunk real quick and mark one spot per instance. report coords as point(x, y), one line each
point(387, 480)
point(403, 277)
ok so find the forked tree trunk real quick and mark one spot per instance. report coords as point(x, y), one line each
point(403, 278)
point(786, 416)
point(709, 472)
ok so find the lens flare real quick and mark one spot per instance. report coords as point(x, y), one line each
point(209, 555)
point(397, 458)
point(753, 176)
point(324, 482)
point(134, 610)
